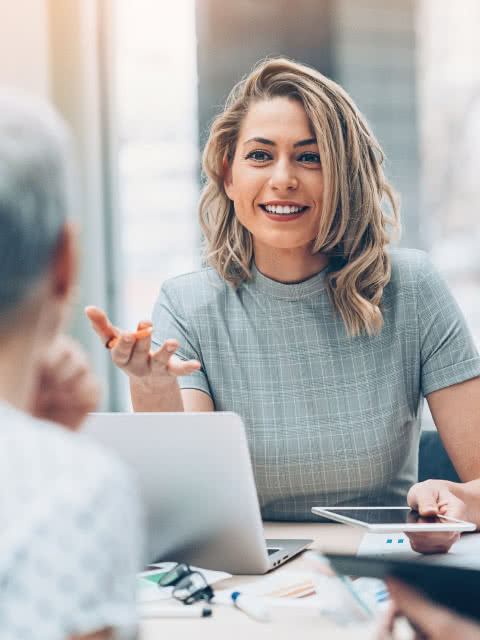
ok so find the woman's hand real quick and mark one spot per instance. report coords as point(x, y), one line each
point(430, 621)
point(153, 370)
point(431, 498)
point(67, 388)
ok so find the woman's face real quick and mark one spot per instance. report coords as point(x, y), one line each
point(275, 179)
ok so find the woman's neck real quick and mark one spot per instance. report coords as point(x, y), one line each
point(289, 265)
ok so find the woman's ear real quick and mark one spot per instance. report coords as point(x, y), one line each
point(227, 177)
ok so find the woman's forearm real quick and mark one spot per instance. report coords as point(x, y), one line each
point(165, 398)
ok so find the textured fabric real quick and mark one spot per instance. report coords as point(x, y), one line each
point(330, 419)
point(70, 534)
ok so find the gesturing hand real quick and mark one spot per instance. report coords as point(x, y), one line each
point(67, 389)
point(133, 355)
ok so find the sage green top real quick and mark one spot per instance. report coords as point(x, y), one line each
point(330, 419)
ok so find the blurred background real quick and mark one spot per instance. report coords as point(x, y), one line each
point(140, 81)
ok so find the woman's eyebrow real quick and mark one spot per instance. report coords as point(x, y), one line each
point(262, 141)
point(300, 143)
point(304, 143)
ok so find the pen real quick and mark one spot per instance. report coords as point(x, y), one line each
point(141, 333)
point(175, 612)
point(252, 607)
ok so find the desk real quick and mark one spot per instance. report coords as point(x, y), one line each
point(288, 624)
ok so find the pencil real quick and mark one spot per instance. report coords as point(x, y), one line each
point(141, 333)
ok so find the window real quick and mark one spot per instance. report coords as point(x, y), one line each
point(156, 82)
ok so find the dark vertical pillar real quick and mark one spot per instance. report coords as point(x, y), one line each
point(233, 36)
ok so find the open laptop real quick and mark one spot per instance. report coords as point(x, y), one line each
point(196, 477)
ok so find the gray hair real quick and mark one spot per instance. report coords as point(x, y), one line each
point(35, 192)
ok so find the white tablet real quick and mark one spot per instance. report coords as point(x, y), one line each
point(388, 519)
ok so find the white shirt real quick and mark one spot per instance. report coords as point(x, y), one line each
point(70, 533)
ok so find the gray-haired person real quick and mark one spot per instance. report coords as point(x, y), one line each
point(70, 518)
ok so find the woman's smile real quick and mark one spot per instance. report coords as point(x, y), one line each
point(283, 211)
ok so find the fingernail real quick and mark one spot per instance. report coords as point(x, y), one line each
point(171, 349)
point(127, 339)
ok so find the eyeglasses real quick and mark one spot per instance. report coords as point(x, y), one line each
point(189, 586)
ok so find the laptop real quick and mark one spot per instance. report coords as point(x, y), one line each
point(195, 474)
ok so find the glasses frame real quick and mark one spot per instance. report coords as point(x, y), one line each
point(177, 578)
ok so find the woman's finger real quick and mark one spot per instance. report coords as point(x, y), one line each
point(123, 350)
point(144, 324)
point(101, 324)
point(140, 356)
point(423, 497)
point(179, 367)
point(160, 358)
point(164, 361)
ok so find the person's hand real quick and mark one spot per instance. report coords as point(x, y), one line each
point(67, 388)
point(131, 354)
point(431, 498)
point(430, 621)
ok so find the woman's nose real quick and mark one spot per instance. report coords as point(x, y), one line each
point(283, 176)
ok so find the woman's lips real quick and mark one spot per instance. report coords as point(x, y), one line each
point(283, 217)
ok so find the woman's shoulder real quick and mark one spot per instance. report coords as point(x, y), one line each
point(195, 289)
point(204, 280)
point(409, 266)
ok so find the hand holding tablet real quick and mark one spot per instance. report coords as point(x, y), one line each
point(390, 519)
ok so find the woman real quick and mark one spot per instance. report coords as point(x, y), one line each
point(303, 324)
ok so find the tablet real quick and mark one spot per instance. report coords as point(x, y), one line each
point(389, 519)
point(452, 587)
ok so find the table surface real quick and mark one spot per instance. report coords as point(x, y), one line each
point(228, 622)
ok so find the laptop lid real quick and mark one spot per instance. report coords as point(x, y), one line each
point(196, 478)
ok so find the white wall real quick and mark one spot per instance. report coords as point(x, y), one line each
point(24, 46)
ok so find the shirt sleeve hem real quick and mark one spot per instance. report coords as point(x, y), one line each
point(448, 376)
point(197, 387)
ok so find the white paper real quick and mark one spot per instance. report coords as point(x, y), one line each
point(148, 591)
point(465, 552)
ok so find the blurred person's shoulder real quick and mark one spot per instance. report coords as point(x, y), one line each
point(39, 459)
point(71, 535)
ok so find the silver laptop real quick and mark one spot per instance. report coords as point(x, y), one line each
point(197, 481)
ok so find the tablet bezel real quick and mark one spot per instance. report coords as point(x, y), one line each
point(451, 524)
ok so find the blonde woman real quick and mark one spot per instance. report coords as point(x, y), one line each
point(302, 323)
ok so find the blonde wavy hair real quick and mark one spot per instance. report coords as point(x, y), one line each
point(353, 227)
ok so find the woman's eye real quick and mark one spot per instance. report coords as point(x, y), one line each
point(259, 156)
point(310, 158)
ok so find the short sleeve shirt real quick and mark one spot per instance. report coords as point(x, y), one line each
point(70, 534)
point(330, 419)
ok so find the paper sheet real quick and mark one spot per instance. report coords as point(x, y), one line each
point(465, 552)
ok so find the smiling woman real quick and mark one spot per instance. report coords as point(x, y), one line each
point(303, 324)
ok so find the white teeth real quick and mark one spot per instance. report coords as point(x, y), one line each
point(282, 210)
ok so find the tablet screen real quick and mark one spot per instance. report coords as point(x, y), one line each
point(387, 516)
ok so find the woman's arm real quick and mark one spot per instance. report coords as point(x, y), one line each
point(171, 399)
point(456, 412)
